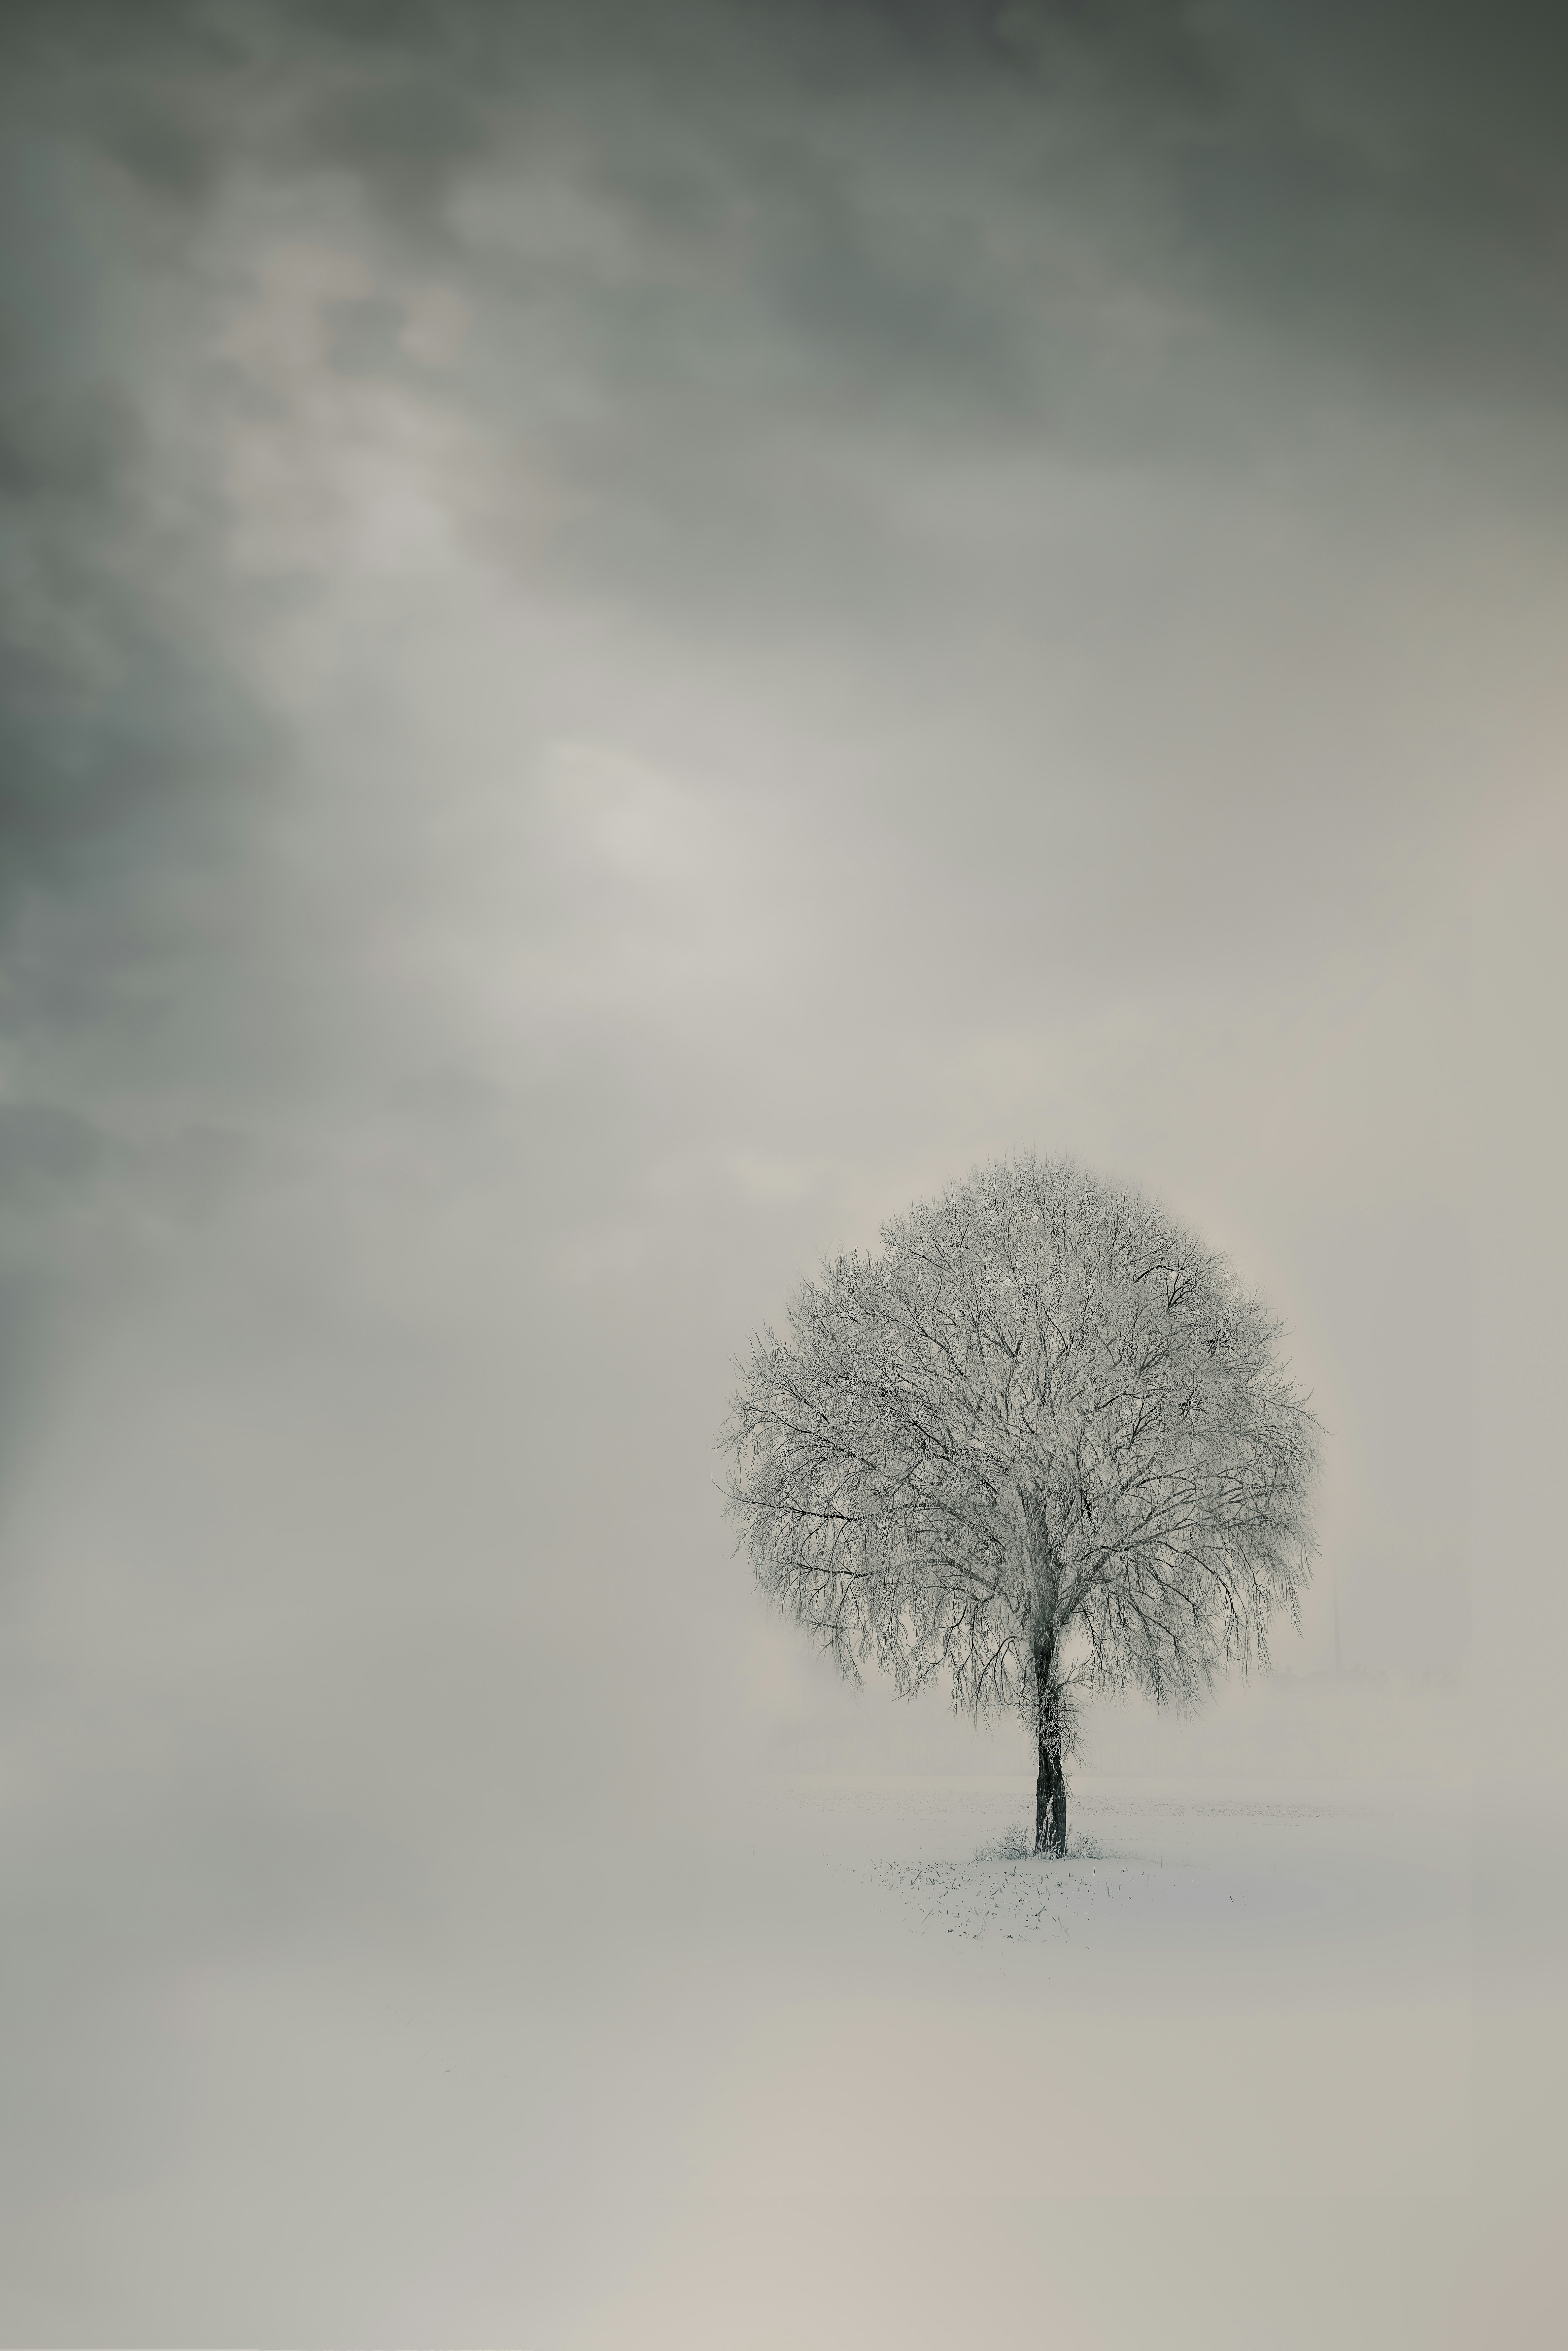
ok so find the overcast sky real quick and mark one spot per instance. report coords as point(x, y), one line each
point(631, 635)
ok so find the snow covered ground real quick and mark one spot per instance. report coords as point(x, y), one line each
point(1213, 2085)
point(1265, 2070)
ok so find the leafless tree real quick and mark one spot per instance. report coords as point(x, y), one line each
point(1043, 1446)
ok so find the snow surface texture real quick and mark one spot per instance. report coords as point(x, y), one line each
point(1008, 1897)
point(1010, 1890)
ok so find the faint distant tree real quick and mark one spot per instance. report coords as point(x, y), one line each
point(1043, 1446)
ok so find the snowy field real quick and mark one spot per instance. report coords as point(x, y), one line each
point(1263, 2069)
point(1211, 2085)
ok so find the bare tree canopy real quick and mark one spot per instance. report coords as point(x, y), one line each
point(1042, 1445)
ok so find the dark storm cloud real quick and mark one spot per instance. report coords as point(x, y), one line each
point(1395, 185)
point(1387, 179)
point(116, 721)
point(905, 203)
point(744, 281)
point(1104, 229)
point(725, 263)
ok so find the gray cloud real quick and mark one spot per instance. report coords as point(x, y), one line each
point(1000, 464)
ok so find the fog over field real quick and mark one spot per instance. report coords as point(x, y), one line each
point(632, 636)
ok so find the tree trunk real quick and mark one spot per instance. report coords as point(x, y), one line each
point(1049, 1800)
point(1051, 1781)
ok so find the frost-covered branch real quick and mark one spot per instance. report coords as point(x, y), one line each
point(1043, 1442)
